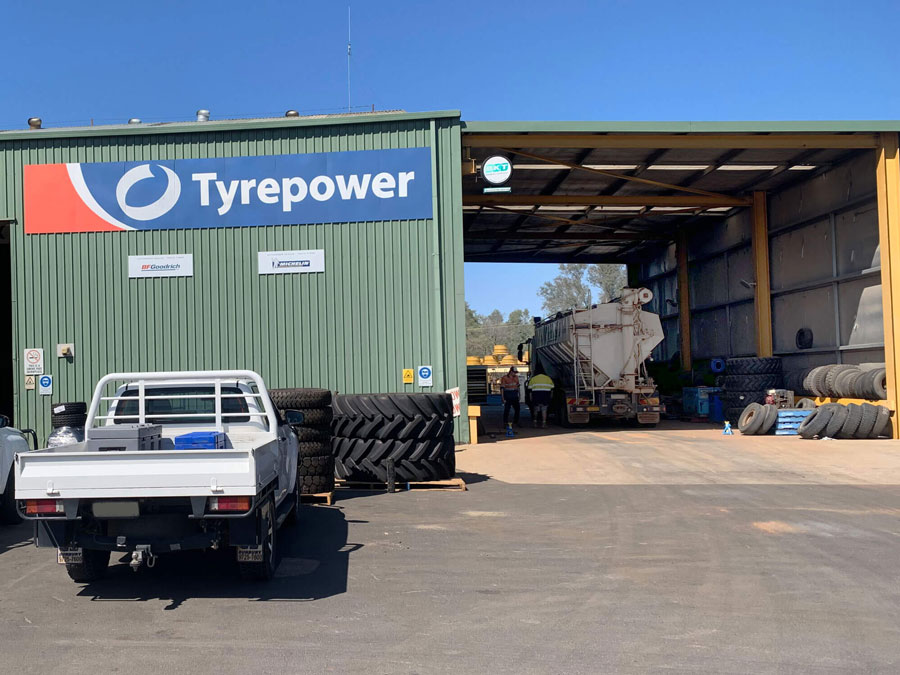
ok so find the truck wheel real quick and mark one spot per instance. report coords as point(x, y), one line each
point(300, 398)
point(8, 513)
point(265, 569)
point(93, 566)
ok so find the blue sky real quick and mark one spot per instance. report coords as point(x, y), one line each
point(72, 62)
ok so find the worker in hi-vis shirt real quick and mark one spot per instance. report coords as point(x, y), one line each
point(541, 388)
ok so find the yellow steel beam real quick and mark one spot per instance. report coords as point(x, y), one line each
point(762, 295)
point(888, 188)
point(604, 200)
point(613, 174)
point(688, 141)
point(684, 301)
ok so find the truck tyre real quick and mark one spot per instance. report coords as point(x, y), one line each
point(753, 366)
point(879, 384)
point(8, 513)
point(819, 386)
point(741, 399)
point(316, 485)
point(771, 416)
point(752, 419)
point(839, 414)
point(265, 569)
point(366, 460)
point(294, 399)
point(805, 404)
point(93, 566)
point(882, 424)
point(853, 419)
point(867, 423)
point(314, 448)
point(319, 418)
point(815, 423)
point(752, 382)
point(311, 434)
point(831, 377)
point(844, 382)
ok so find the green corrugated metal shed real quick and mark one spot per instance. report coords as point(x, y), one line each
point(391, 296)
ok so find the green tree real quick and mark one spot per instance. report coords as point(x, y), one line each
point(609, 280)
point(568, 289)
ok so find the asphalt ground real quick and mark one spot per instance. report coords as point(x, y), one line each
point(502, 578)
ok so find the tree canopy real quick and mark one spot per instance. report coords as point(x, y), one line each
point(579, 286)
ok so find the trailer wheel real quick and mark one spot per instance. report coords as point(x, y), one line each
point(264, 569)
point(8, 513)
point(93, 566)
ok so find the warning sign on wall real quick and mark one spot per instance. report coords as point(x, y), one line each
point(34, 361)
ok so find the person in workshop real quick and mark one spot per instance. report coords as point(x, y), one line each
point(509, 389)
point(541, 390)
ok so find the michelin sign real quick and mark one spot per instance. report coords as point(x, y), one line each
point(331, 187)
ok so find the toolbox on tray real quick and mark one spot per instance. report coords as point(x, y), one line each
point(789, 421)
point(200, 440)
point(121, 437)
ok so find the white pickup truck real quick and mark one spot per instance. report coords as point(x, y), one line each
point(129, 488)
point(11, 441)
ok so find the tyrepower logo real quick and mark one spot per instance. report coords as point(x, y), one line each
point(336, 187)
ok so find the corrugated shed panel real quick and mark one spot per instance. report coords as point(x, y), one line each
point(391, 296)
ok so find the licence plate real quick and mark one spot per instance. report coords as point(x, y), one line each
point(593, 408)
point(116, 509)
point(69, 555)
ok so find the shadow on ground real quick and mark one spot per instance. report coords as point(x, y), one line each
point(314, 564)
point(15, 536)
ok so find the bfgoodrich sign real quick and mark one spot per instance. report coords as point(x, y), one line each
point(330, 187)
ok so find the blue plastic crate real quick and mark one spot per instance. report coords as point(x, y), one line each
point(789, 421)
point(200, 440)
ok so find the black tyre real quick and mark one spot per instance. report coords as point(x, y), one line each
point(842, 380)
point(752, 419)
point(314, 448)
point(809, 380)
point(741, 399)
point(815, 423)
point(69, 408)
point(294, 399)
point(8, 513)
point(752, 382)
point(367, 460)
point(882, 424)
point(831, 377)
point(319, 418)
point(819, 386)
point(393, 405)
point(264, 569)
point(58, 421)
point(400, 428)
point(879, 384)
point(854, 384)
point(733, 415)
point(769, 419)
point(805, 404)
point(852, 422)
point(315, 485)
point(839, 415)
point(867, 423)
point(93, 566)
point(753, 366)
point(317, 465)
point(312, 434)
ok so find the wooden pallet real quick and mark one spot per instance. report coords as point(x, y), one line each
point(326, 498)
point(453, 484)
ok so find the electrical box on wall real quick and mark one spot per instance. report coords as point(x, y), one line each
point(65, 350)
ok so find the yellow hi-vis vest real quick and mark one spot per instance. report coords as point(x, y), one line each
point(541, 383)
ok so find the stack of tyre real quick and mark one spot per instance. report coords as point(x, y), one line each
point(67, 420)
point(411, 432)
point(746, 381)
point(834, 420)
point(843, 380)
point(316, 463)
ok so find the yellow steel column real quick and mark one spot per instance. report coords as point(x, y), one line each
point(762, 296)
point(684, 301)
point(888, 184)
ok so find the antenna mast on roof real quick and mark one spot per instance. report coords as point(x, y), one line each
point(348, 57)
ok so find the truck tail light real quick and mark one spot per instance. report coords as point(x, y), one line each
point(34, 507)
point(229, 504)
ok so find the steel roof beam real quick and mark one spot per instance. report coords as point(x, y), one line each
point(567, 236)
point(605, 200)
point(675, 141)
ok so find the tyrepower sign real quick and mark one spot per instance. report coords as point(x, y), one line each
point(331, 187)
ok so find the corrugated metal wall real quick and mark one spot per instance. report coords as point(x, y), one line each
point(391, 296)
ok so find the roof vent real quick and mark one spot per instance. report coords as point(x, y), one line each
point(34, 122)
point(134, 120)
point(292, 113)
point(203, 115)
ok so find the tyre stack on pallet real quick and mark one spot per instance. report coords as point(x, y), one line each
point(315, 463)
point(410, 435)
point(746, 381)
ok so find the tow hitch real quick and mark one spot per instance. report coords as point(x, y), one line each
point(138, 556)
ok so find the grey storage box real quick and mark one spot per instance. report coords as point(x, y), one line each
point(120, 437)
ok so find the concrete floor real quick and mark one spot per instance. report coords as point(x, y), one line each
point(736, 558)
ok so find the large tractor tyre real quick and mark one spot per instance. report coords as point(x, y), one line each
point(400, 428)
point(93, 566)
point(394, 405)
point(264, 570)
point(832, 374)
point(312, 434)
point(769, 365)
point(752, 382)
point(867, 423)
point(771, 416)
point(816, 422)
point(8, 513)
point(848, 430)
point(882, 423)
point(741, 399)
point(752, 419)
point(839, 414)
point(367, 460)
point(295, 399)
point(314, 448)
